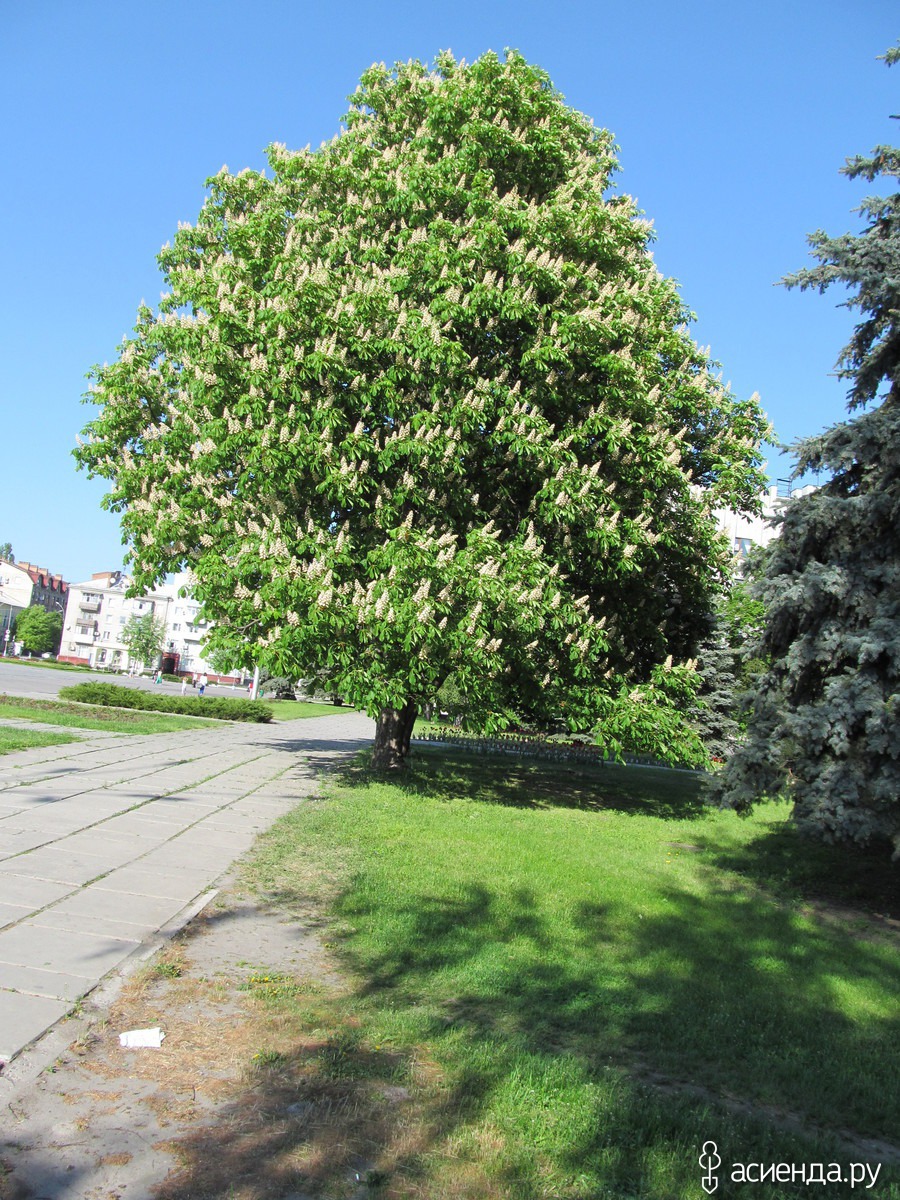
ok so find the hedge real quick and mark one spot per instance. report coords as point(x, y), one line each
point(187, 706)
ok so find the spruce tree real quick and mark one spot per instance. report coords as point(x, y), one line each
point(825, 719)
point(713, 716)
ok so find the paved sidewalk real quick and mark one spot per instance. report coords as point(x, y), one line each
point(106, 842)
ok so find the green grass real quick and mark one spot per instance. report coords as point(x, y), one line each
point(603, 973)
point(293, 710)
point(45, 663)
point(29, 739)
point(93, 716)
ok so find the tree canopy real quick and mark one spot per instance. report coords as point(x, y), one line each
point(419, 403)
point(39, 630)
point(825, 719)
point(143, 637)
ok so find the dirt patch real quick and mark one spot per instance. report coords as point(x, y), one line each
point(253, 1094)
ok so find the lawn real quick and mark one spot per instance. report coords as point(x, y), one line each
point(294, 710)
point(582, 975)
point(93, 716)
point(50, 663)
point(29, 739)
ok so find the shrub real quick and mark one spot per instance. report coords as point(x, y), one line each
point(187, 706)
point(278, 688)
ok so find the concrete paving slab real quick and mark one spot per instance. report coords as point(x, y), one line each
point(86, 954)
point(29, 892)
point(36, 981)
point(103, 842)
point(140, 881)
point(100, 926)
point(192, 855)
point(138, 825)
point(51, 862)
point(18, 841)
point(10, 913)
point(220, 839)
point(181, 806)
point(23, 1018)
point(146, 912)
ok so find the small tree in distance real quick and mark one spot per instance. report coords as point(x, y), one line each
point(419, 404)
point(38, 630)
point(825, 721)
point(143, 637)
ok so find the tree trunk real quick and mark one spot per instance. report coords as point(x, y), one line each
point(408, 718)
point(393, 729)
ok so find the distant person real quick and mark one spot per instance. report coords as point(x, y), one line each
point(158, 677)
point(202, 686)
point(184, 683)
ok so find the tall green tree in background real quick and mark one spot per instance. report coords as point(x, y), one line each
point(143, 637)
point(419, 403)
point(38, 630)
point(825, 722)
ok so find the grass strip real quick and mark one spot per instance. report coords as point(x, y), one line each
point(28, 739)
point(590, 973)
point(295, 710)
point(86, 716)
point(219, 708)
point(45, 664)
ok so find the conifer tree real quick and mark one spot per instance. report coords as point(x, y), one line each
point(713, 717)
point(825, 720)
point(419, 404)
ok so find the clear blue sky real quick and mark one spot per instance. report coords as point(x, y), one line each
point(732, 122)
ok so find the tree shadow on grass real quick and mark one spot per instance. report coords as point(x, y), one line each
point(520, 783)
point(798, 867)
point(595, 1046)
point(733, 992)
point(523, 1042)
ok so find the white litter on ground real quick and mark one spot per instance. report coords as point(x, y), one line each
point(136, 1039)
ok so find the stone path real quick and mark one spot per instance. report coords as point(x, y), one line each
point(106, 842)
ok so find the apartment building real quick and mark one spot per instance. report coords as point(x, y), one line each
point(745, 532)
point(99, 609)
point(22, 585)
point(96, 613)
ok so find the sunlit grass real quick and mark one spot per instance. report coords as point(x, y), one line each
point(29, 739)
point(294, 710)
point(603, 971)
point(93, 716)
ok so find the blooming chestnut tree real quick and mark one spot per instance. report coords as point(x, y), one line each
point(418, 402)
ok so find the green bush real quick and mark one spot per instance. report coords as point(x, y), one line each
point(187, 706)
point(170, 678)
point(278, 688)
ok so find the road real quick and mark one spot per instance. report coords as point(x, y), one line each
point(43, 683)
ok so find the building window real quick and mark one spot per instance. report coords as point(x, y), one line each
point(742, 546)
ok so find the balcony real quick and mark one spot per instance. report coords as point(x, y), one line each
point(89, 606)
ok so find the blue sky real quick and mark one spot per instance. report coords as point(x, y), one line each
point(732, 122)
